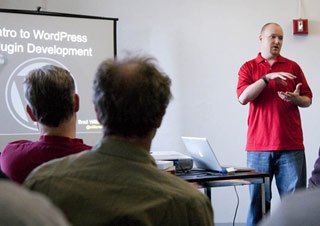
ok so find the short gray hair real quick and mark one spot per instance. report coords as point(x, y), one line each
point(50, 94)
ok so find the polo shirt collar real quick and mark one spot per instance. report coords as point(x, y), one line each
point(260, 59)
point(59, 139)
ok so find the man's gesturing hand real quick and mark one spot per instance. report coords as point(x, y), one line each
point(291, 96)
point(280, 77)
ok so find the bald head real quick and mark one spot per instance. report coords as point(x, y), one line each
point(266, 25)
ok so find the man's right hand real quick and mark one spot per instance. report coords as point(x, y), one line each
point(280, 77)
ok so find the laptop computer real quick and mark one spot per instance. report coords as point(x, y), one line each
point(204, 157)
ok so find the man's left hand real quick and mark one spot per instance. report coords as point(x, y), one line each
point(295, 98)
point(291, 96)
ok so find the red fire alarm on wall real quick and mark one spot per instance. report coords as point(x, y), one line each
point(300, 26)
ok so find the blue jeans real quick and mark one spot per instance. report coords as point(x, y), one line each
point(289, 169)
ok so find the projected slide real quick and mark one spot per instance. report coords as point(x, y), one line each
point(29, 41)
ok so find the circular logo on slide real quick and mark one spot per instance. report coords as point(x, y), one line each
point(14, 92)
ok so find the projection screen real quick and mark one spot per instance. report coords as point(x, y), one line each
point(31, 39)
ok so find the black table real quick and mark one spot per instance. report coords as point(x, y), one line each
point(208, 180)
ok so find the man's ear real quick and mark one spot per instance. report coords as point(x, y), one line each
point(76, 102)
point(97, 114)
point(260, 38)
point(160, 118)
point(31, 114)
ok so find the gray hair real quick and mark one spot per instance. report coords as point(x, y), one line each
point(50, 93)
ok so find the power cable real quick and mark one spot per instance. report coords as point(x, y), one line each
point(236, 210)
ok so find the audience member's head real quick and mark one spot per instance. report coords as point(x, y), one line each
point(130, 96)
point(295, 209)
point(52, 103)
point(20, 207)
point(50, 93)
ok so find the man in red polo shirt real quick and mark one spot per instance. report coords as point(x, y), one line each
point(53, 104)
point(275, 87)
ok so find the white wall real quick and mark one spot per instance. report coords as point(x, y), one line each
point(201, 45)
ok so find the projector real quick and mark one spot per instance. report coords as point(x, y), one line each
point(181, 161)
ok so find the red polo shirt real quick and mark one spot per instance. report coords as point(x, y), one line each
point(273, 124)
point(20, 157)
